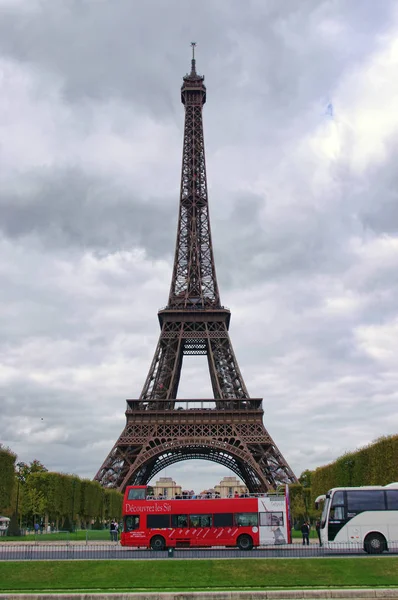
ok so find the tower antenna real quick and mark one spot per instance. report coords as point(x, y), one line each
point(193, 62)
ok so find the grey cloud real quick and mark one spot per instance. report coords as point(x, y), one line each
point(101, 52)
point(377, 205)
point(268, 248)
point(67, 208)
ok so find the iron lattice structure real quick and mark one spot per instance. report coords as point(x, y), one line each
point(161, 430)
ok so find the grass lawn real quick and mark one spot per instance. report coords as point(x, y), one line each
point(173, 574)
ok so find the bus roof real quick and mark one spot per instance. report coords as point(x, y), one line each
point(366, 487)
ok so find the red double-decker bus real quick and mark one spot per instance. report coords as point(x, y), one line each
point(202, 522)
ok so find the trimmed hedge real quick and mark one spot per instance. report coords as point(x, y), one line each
point(64, 498)
point(375, 464)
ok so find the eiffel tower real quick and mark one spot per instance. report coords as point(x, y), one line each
point(161, 430)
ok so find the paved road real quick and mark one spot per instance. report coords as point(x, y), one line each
point(59, 551)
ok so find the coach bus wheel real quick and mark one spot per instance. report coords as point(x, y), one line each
point(375, 543)
point(158, 543)
point(245, 542)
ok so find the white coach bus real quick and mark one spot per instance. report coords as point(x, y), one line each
point(365, 516)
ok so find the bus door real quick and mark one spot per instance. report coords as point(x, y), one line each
point(337, 516)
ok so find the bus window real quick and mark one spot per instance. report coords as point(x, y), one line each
point(136, 494)
point(337, 513)
point(223, 520)
point(179, 520)
point(131, 522)
point(271, 519)
point(200, 520)
point(392, 499)
point(158, 521)
point(360, 500)
point(246, 520)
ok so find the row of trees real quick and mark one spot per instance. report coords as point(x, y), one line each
point(30, 493)
point(376, 464)
point(67, 500)
point(7, 479)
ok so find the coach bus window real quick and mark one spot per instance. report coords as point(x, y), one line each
point(271, 519)
point(158, 521)
point(246, 520)
point(360, 500)
point(136, 494)
point(392, 499)
point(337, 513)
point(200, 520)
point(131, 522)
point(179, 520)
point(223, 520)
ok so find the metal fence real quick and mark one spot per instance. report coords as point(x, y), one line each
point(41, 550)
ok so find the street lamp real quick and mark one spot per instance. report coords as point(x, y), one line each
point(19, 465)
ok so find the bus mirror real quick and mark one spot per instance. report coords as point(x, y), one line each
point(318, 500)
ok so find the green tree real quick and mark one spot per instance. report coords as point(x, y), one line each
point(25, 470)
point(305, 478)
point(35, 500)
point(7, 480)
point(113, 501)
point(297, 505)
point(91, 501)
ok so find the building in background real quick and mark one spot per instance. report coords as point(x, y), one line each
point(228, 486)
point(166, 488)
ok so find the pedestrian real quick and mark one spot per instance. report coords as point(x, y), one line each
point(112, 530)
point(305, 532)
point(116, 530)
point(37, 527)
point(318, 530)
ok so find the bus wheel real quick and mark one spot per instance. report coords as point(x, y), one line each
point(245, 542)
point(374, 543)
point(158, 543)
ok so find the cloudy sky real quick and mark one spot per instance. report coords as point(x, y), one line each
point(301, 130)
